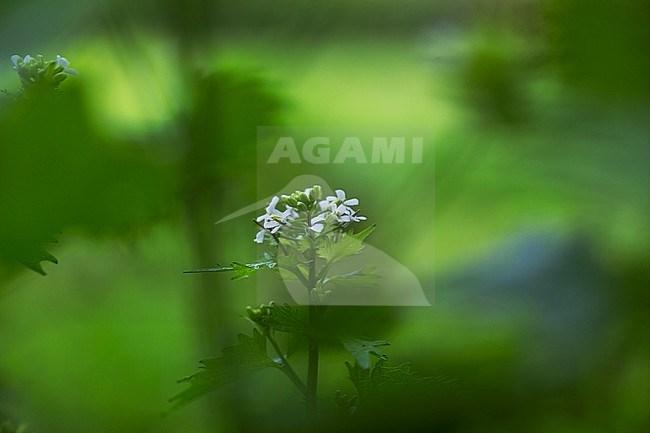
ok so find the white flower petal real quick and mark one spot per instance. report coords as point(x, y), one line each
point(62, 61)
point(71, 71)
point(271, 207)
point(259, 237)
point(270, 224)
point(14, 60)
point(27, 58)
point(351, 202)
point(317, 228)
point(287, 214)
point(340, 194)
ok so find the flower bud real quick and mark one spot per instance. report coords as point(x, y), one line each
point(316, 192)
point(257, 315)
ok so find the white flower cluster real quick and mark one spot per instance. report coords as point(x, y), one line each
point(341, 207)
point(273, 219)
point(39, 63)
point(307, 207)
point(36, 72)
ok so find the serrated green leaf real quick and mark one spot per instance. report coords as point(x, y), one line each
point(361, 350)
point(33, 260)
point(337, 248)
point(32, 256)
point(363, 234)
point(285, 318)
point(291, 257)
point(246, 358)
point(241, 270)
point(365, 277)
point(292, 263)
point(383, 381)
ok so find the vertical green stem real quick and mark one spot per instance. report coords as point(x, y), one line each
point(312, 371)
point(286, 367)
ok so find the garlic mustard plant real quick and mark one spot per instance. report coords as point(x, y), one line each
point(304, 233)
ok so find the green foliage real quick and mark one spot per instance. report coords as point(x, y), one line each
point(241, 270)
point(292, 257)
point(383, 381)
point(343, 246)
point(361, 278)
point(226, 107)
point(244, 359)
point(38, 75)
point(361, 350)
point(59, 173)
point(300, 240)
point(32, 258)
point(283, 318)
point(601, 46)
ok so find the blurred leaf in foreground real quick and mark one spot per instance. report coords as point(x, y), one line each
point(244, 359)
point(58, 173)
point(362, 349)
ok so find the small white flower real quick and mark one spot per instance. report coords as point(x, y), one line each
point(345, 214)
point(274, 220)
point(340, 198)
point(259, 237)
point(340, 207)
point(14, 59)
point(317, 223)
point(62, 61)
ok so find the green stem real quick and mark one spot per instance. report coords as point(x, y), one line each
point(286, 367)
point(312, 371)
point(296, 271)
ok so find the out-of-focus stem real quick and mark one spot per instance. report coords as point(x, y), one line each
point(286, 367)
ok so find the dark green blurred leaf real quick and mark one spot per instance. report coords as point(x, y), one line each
point(227, 107)
point(285, 318)
point(383, 381)
point(361, 350)
point(33, 258)
point(7, 427)
point(58, 172)
point(601, 46)
point(244, 359)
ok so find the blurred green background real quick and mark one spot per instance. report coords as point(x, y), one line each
point(527, 223)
